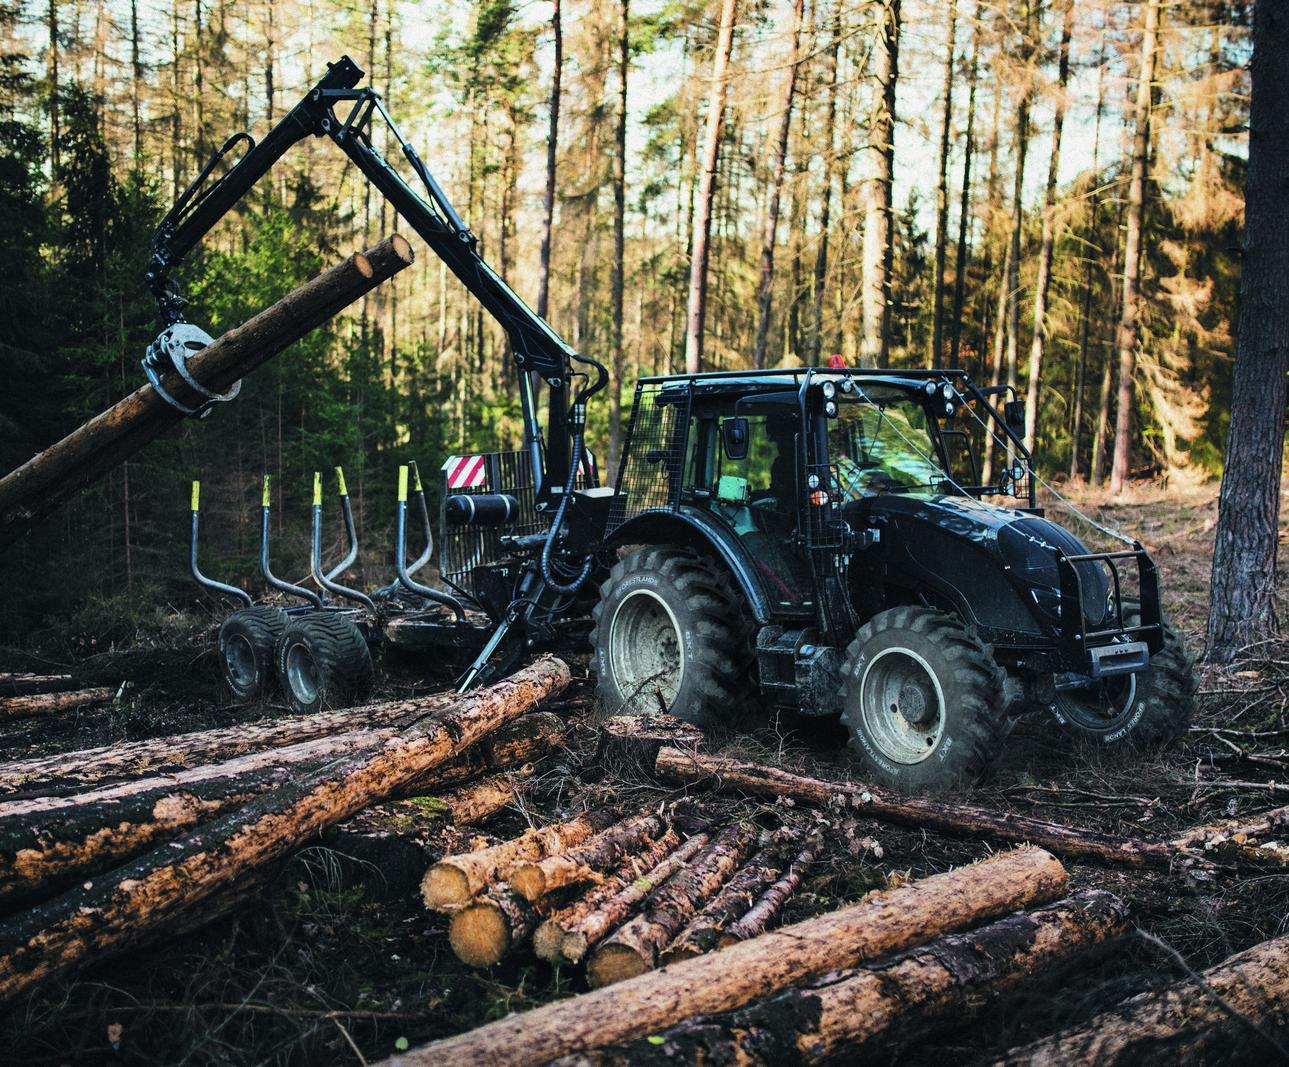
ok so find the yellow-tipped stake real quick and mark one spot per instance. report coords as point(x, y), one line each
point(196, 495)
point(267, 498)
point(416, 478)
point(402, 485)
point(340, 480)
point(317, 489)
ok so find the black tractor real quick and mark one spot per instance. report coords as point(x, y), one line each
point(814, 536)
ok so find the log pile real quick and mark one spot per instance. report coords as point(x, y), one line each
point(199, 836)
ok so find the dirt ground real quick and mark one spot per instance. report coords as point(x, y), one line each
point(337, 961)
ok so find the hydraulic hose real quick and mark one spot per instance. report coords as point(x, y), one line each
point(568, 588)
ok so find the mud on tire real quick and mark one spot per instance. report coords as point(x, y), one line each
point(670, 634)
point(323, 661)
point(923, 700)
point(248, 642)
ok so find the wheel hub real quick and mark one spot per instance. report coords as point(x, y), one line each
point(646, 653)
point(916, 705)
point(902, 705)
point(302, 674)
point(239, 660)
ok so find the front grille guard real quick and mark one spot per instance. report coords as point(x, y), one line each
point(1077, 641)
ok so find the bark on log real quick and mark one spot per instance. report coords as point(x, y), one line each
point(492, 925)
point(633, 741)
point(51, 477)
point(534, 879)
point(727, 774)
point(22, 684)
point(882, 923)
point(635, 948)
point(137, 901)
point(456, 880)
point(1239, 1013)
point(526, 740)
point(550, 937)
point(771, 902)
point(27, 707)
point(734, 899)
point(477, 801)
point(1254, 839)
point(845, 1014)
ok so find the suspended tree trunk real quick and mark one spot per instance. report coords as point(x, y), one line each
point(1242, 610)
point(552, 155)
point(1129, 332)
point(1048, 238)
point(942, 188)
point(619, 238)
point(878, 229)
point(765, 287)
point(697, 310)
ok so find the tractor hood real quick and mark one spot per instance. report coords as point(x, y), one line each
point(967, 546)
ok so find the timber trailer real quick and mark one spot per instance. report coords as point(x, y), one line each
point(814, 537)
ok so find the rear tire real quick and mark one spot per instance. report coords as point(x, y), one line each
point(923, 700)
point(248, 642)
point(323, 662)
point(670, 635)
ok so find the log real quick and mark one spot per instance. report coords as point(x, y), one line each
point(635, 948)
point(27, 707)
point(137, 901)
point(771, 902)
point(842, 1016)
point(22, 683)
point(477, 801)
point(632, 742)
point(536, 878)
point(456, 880)
point(491, 926)
point(734, 899)
point(1254, 839)
point(526, 740)
point(951, 817)
point(880, 924)
point(53, 476)
point(1238, 1013)
point(549, 938)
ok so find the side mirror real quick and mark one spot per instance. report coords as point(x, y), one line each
point(1014, 416)
point(734, 437)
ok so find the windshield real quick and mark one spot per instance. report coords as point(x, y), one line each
point(883, 443)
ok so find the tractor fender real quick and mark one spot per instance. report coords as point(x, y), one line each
point(696, 530)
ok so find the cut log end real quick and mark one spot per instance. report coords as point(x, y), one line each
point(574, 947)
point(614, 963)
point(479, 934)
point(548, 942)
point(528, 881)
point(445, 888)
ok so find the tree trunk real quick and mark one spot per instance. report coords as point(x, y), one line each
point(52, 85)
point(1242, 609)
point(635, 948)
point(1048, 238)
point(1129, 332)
point(754, 921)
point(733, 900)
point(619, 240)
point(765, 287)
point(536, 878)
point(46, 481)
point(942, 189)
point(878, 231)
point(697, 310)
point(585, 922)
point(1232, 1013)
point(880, 924)
point(1256, 839)
point(477, 801)
point(923, 812)
point(52, 703)
point(137, 901)
point(552, 155)
point(844, 1015)
point(961, 261)
point(22, 684)
point(831, 164)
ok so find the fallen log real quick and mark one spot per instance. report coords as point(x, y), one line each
point(632, 742)
point(846, 1013)
point(27, 707)
point(1237, 1012)
point(526, 740)
point(734, 899)
point(880, 924)
point(635, 948)
point(477, 801)
point(22, 683)
point(771, 902)
point(951, 817)
point(1253, 839)
point(138, 900)
point(456, 880)
point(51, 477)
point(559, 932)
point(487, 929)
point(536, 878)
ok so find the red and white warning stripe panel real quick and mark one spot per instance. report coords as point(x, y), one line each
point(466, 472)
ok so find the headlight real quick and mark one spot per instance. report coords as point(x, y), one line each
point(948, 409)
point(830, 409)
point(829, 390)
point(813, 481)
point(946, 391)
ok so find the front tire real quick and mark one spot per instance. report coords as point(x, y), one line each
point(248, 642)
point(323, 661)
point(923, 700)
point(670, 635)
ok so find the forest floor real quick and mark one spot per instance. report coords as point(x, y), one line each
point(337, 961)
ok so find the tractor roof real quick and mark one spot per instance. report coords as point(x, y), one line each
point(743, 383)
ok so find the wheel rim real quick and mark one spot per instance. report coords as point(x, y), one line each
point(1104, 705)
point(902, 705)
point(239, 661)
point(302, 674)
point(646, 653)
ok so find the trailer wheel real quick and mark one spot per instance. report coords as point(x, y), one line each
point(323, 661)
point(923, 700)
point(1150, 709)
point(670, 635)
point(247, 648)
